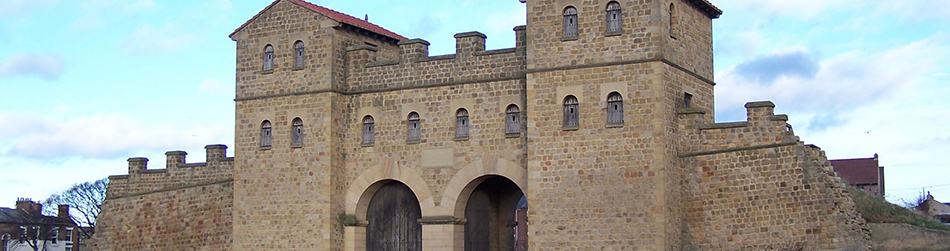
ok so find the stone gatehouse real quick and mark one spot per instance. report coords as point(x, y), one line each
point(351, 137)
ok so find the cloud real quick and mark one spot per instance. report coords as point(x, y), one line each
point(804, 9)
point(213, 86)
point(95, 136)
point(841, 83)
point(767, 68)
point(148, 39)
point(13, 8)
point(425, 26)
point(100, 12)
point(47, 66)
point(918, 10)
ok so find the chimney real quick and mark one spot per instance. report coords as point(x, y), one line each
point(29, 205)
point(63, 212)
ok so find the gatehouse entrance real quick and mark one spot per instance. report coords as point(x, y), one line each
point(490, 215)
point(393, 215)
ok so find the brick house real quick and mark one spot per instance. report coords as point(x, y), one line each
point(25, 226)
point(863, 173)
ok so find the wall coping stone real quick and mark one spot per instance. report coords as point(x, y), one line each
point(723, 125)
point(414, 41)
point(758, 104)
point(470, 34)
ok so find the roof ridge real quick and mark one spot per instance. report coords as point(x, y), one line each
point(351, 20)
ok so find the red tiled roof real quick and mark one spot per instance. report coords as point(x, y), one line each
point(336, 16)
point(857, 171)
point(344, 18)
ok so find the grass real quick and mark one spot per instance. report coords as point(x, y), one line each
point(877, 210)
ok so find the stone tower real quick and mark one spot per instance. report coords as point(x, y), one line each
point(607, 181)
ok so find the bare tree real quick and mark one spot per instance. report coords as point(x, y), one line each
point(85, 203)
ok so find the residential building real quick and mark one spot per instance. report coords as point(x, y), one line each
point(863, 173)
point(25, 228)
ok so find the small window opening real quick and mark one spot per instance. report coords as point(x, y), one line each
point(673, 21)
point(268, 58)
point(414, 127)
point(570, 22)
point(265, 134)
point(614, 109)
point(614, 16)
point(298, 54)
point(571, 119)
point(512, 120)
point(297, 139)
point(461, 123)
point(687, 100)
point(369, 132)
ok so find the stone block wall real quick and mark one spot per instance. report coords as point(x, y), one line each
point(186, 206)
point(753, 186)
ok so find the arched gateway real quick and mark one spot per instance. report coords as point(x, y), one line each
point(393, 219)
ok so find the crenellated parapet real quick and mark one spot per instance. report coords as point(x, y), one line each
point(414, 68)
point(176, 174)
point(762, 128)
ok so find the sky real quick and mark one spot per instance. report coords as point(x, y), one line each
point(86, 84)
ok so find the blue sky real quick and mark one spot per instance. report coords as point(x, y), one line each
point(88, 83)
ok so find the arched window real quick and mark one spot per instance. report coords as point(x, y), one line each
point(414, 127)
point(614, 109)
point(512, 120)
point(672, 21)
point(298, 54)
point(369, 132)
point(461, 124)
point(613, 17)
point(297, 127)
point(268, 58)
point(570, 21)
point(571, 119)
point(265, 134)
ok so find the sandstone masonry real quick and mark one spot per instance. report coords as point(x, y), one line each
point(494, 125)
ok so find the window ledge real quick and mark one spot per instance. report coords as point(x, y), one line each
point(569, 128)
point(571, 38)
point(613, 33)
point(366, 145)
point(297, 68)
point(265, 148)
point(461, 138)
point(296, 146)
point(513, 135)
point(413, 142)
point(615, 125)
point(267, 71)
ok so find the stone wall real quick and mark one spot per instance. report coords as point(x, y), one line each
point(753, 186)
point(186, 206)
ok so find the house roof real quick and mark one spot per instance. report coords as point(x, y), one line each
point(707, 8)
point(332, 14)
point(857, 171)
point(21, 217)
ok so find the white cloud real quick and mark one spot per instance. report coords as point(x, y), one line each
point(100, 12)
point(842, 83)
point(916, 10)
point(18, 7)
point(214, 86)
point(148, 39)
point(97, 136)
point(47, 66)
point(804, 9)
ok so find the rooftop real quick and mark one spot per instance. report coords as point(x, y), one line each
point(336, 16)
point(857, 171)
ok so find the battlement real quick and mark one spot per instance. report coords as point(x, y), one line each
point(762, 128)
point(177, 172)
point(415, 68)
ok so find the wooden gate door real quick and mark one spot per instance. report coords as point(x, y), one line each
point(393, 217)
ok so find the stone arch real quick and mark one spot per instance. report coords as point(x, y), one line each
point(361, 191)
point(460, 187)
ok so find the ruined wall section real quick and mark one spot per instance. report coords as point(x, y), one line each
point(186, 206)
point(753, 186)
point(369, 71)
